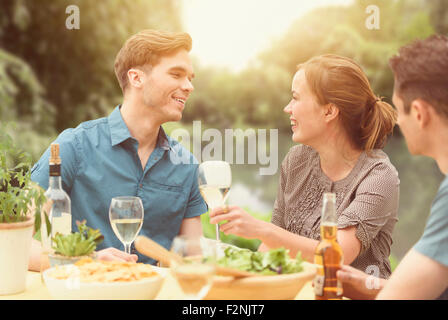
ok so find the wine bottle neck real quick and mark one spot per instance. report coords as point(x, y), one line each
point(55, 182)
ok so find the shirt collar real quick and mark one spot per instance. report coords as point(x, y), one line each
point(163, 141)
point(119, 132)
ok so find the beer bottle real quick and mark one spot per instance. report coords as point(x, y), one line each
point(328, 256)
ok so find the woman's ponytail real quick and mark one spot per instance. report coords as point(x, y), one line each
point(377, 124)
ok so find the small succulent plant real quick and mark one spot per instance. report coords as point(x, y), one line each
point(81, 243)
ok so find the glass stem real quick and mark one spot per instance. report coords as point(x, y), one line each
point(127, 248)
point(217, 232)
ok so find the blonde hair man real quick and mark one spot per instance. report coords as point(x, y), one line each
point(128, 152)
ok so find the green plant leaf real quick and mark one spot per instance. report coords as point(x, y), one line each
point(15, 182)
point(38, 223)
point(81, 243)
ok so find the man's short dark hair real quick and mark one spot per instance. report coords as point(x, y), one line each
point(421, 72)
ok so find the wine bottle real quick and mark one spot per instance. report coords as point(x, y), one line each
point(60, 212)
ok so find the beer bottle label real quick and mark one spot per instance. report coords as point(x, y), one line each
point(319, 279)
point(319, 283)
point(339, 291)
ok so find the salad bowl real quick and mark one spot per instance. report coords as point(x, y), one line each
point(263, 287)
point(275, 276)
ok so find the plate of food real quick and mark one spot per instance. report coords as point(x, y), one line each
point(90, 279)
point(278, 277)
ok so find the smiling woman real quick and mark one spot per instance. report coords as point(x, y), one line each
point(341, 126)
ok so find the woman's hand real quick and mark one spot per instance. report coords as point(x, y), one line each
point(239, 223)
point(359, 285)
point(113, 254)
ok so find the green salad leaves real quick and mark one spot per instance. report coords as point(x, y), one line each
point(275, 261)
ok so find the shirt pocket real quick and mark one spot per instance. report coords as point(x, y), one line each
point(165, 207)
point(167, 187)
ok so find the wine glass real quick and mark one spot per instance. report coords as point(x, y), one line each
point(126, 217)
point(214, 178)
point(194, 271)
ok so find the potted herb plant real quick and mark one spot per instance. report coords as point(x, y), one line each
point(74, 246)
point(17, 195)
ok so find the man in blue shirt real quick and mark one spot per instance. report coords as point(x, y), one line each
point(421, 99)
point(128, 152)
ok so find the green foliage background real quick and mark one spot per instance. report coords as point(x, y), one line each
point(52, 78)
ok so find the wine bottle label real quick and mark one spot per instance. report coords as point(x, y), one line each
point(61, 224)
point(55, 170)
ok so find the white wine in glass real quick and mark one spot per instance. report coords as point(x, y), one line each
point(214, 196)
point(194, 273)
point(126, 230)
point(126, 218)
point(214, 178)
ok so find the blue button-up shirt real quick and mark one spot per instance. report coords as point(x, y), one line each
point(100, 161)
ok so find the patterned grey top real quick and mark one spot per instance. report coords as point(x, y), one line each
point(367, 198)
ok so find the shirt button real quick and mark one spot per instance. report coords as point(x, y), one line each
point(140, 185)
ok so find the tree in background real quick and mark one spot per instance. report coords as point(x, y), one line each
point(343, 32)
point(257, 95)
point(439, 15)
point(75, 67)
point(20, 87)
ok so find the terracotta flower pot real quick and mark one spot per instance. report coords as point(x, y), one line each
point(15, 244)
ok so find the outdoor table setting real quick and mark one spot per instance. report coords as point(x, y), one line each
point(199, 267)
point(169, 290)
point(186, 278)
